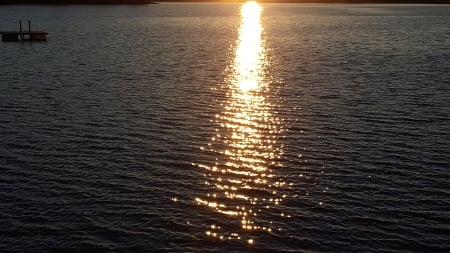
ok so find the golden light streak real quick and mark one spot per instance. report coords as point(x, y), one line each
point(245, 144)
point(250, 49)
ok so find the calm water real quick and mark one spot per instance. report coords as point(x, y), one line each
point(201, 128)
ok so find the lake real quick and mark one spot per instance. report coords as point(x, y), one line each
point(218, 127)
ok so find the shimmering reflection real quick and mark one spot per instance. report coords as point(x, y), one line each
point(249, 52)
point(244, 186)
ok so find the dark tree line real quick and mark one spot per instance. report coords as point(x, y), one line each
point(56, 2)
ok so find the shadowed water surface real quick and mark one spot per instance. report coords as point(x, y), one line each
point(187, 127)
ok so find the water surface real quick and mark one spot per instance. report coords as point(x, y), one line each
point(197, 127)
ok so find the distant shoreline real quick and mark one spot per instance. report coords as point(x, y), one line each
point(143, 2)
point(322, 1)
point(80, 2)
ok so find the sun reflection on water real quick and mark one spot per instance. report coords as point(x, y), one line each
point(244, 185)
point(249, 52)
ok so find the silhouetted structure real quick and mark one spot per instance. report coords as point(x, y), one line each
point(24, 35)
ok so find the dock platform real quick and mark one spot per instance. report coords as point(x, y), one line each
point(24, 35)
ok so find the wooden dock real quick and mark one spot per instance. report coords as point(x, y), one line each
point(24, 35)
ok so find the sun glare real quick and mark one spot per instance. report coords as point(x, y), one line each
point(251, 10)
point(250, 49)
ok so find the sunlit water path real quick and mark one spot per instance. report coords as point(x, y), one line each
point(243, 180)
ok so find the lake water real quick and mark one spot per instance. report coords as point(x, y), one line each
point(194, 127)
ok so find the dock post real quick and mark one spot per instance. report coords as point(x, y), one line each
point(21, 33)
point(29, 29)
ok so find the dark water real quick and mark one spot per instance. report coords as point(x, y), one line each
point(172, 128)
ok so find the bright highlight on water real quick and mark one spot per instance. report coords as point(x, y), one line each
point(244, 184)
point(249, 60)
